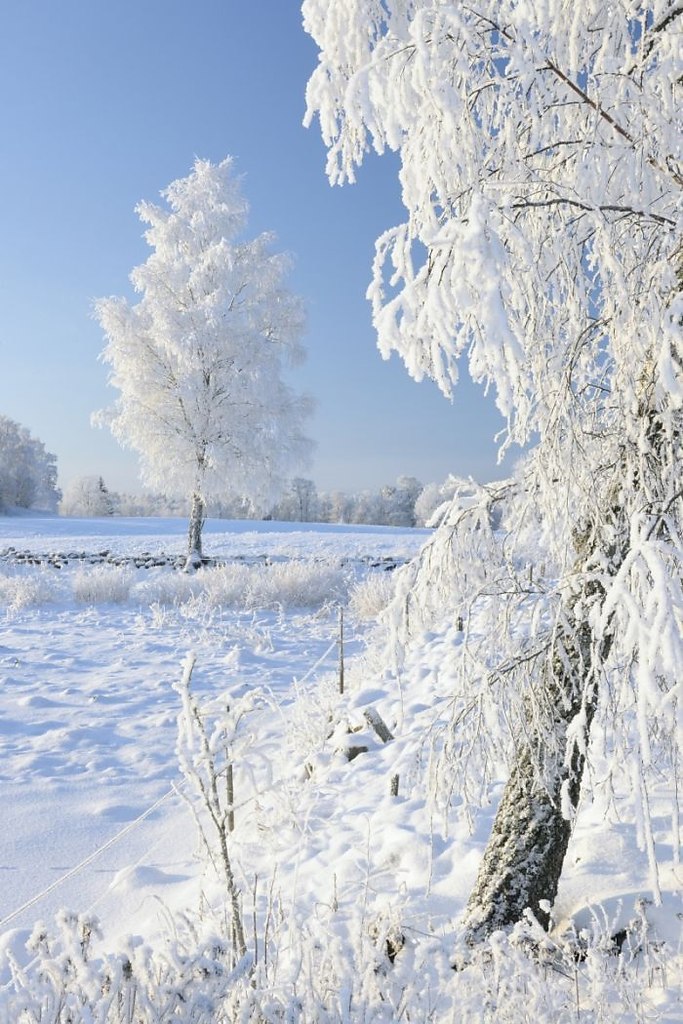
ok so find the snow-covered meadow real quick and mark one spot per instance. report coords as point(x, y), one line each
point(351, 878)
point(88, 656)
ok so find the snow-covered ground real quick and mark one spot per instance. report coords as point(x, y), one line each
point(88, 708)
point(222, 538)
point(343, 857)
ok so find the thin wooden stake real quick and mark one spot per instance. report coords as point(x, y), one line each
point(230, 787)
point(341, 650)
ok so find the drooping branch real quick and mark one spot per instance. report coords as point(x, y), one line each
point(602, 208)
point(669, 168)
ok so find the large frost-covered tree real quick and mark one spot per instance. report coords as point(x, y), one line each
point(539, 147)
point(199, 360)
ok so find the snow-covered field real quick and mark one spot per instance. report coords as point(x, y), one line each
point(351, 881)
point(88, 656)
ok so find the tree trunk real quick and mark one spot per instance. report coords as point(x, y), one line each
point(194, 536)
point(524, 856)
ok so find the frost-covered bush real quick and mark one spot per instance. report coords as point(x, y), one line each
point(20, 590)
point(296, 585)
point(102, 584)
point(227, 586)
point(165, 588)
point(331, 970)
point(371, 596)
point(291, 584)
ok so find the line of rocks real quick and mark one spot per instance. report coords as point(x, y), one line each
point(142, 560)
point(147, 560)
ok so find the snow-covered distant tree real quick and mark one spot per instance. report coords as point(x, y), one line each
point(87, 496)
point(336, 507)
point(305, 498)
point(398, 501)
point(539, 148)
point(199, 360)
point(299, 503)
point(28, 473)
point(365, 507)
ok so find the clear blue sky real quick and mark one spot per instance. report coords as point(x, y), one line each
point(103, 104)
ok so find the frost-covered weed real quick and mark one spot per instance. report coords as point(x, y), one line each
point(525, 976)
point(371, 596)
point(340, 966)
point(226, 587)
point(309, 722)
point(24, 590)
point(165, 588)
point(102, 584)
point(294, 584)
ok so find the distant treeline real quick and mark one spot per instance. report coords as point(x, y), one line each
point(28, 480)
point(407, 502)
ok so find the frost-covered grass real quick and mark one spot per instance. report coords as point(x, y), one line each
point(350, 897)
point(370, 597)
point(351, 979)
point(101, 584)
point(23, 590)
point(292, 584)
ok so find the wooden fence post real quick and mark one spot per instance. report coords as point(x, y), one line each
point(341, 650)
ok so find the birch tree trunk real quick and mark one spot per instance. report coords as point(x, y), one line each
point(525, 853)
point(194, 535)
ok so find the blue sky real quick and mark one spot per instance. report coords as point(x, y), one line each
point(103, 104)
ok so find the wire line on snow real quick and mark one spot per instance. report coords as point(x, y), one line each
point(89, 859)
point(298, 682)
point(173, 791)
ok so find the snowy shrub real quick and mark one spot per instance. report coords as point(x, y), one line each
point(226, 586)
point(165, 588)
point(186, 981)
point(102, 584)
point(309, 721)
point(23, 590)
point(371, 596)
point(333, 970)
point(288, 585)
point(296, 585)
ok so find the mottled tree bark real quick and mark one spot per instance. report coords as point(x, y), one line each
point(525, 853)
point(523, 859)
point(194, 535)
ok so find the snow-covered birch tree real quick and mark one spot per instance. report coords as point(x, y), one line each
point(199, 359)
point(539, 147)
